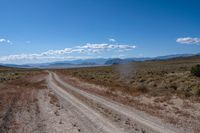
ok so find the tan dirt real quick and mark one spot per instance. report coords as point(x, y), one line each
point(105, 114)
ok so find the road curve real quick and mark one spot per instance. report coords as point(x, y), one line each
point(90, 107)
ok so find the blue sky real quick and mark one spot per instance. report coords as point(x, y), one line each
point(33, 31)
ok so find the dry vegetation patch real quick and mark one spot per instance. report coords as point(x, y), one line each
point(165, 89)
point(152, 77)
point(18, 99)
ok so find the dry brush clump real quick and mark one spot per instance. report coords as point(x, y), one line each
point(196, 90)
point(196, 70)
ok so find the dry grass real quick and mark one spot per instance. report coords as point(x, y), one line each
point(13, 74)
point(18, 94)
point(165, 89)
point(156, 78)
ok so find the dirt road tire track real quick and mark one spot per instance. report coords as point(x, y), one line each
point(92, 119)
point(143, 125)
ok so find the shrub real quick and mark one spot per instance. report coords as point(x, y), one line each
point(196, 70)
point(196, 91)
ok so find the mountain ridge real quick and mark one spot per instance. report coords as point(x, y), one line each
point(96, 61)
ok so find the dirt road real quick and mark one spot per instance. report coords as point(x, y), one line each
point(95, 114)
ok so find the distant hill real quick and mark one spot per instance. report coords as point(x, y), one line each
point(124, 61)
point(56, 65)
point(72, 63)
point(127, 60)
point(4, 68)
point(114, 61)
point(96, 62)
point(87, 63)
point(195, 58)
point(17, 66)
point(173, 56)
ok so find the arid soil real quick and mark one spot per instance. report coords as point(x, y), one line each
point(19, 110)
point(107, 115)
point(39, 101)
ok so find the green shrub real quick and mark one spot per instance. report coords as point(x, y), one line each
point(196, 70)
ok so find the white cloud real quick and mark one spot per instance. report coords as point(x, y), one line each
point(78, 52)
point(94, 46)
point(3, 40)
point(125, 47)
point(30, 58)
point(104, 46)
point(188, 40)
point(112, 40)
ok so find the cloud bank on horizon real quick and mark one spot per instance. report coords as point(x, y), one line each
point(85, 51)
